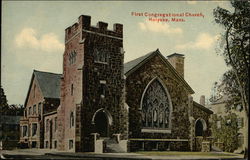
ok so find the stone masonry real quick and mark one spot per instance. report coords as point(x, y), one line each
point(92, 81)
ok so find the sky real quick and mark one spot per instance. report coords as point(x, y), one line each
point(33, 37)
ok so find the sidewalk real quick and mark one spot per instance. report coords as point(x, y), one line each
point(50, 154)
point(147, 156)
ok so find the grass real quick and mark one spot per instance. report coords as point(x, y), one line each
point(171, 153)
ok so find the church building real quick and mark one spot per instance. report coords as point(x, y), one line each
point(99, 104)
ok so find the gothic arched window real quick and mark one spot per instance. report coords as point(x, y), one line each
point(156, 106)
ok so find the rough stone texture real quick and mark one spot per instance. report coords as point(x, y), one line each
point(199, 113)
point(110, 72)
point(205, 146)
point(86, 75)
point(135, 85)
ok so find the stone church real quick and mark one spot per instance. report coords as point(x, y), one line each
point(99, 104)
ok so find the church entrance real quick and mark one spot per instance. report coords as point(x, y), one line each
point(101, 123)
point(198, 128)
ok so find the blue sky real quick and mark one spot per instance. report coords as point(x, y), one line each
point(33, 38)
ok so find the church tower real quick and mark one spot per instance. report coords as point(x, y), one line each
point(92, 90)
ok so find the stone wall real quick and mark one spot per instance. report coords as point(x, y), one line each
point(87, 77)
point(103, 81)
point(135, 85)
point(199, 113)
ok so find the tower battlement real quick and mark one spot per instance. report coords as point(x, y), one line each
point(84, 24)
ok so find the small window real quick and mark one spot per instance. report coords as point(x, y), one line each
point(72, 89)
point(72, 57)
point(25, 131)
point(39, 108)
point(71, 119)
point(34, 109)
point(47, 125)
point(46, 144)
point(100, 55)
point(55, 144)
point(102, 90)
point(33, 144)
point(25, 113)
point(34, 129)
point(71, 144)
point(55, 123)
point(29, 110)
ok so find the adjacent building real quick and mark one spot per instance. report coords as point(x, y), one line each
point(42, 101)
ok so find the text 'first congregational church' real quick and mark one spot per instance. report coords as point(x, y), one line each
point(99, 104)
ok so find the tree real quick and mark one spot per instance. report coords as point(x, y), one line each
point(226, 131)
point(3, 102)
point(235, 46)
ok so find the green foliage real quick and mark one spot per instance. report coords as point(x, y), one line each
point(6, 109)
point(3, 101)
point(228, 132)
point(235, 47)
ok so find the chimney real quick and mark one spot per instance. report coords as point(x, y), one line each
point(202, 100)
point(177, 61)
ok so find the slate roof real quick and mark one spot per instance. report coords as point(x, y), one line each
point(133, 65)
point(49, 83)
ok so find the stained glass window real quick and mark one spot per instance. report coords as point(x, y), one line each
point(155, 106)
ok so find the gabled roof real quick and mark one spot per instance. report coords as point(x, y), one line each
point(49, 83)
point(202, 107)
point(133, 65)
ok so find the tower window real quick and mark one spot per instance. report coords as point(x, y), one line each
point(100, 56)
point(72, 119)
point(72, 89)
point(72, 57)
point(55, 123)
point(71, 144)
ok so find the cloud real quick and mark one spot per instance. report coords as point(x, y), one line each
point(28, 38)
point(159, 27)
point(191, 2)
point(203, 41)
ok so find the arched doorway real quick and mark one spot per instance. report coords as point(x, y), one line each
point(101, 123)
point(198, 128)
